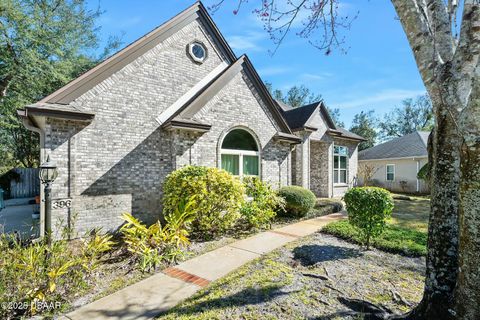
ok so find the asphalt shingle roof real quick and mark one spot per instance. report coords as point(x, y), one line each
point(410, 145)
point(298, 117)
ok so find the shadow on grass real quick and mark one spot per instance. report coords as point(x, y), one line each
point(309, 255)
point(248, 296)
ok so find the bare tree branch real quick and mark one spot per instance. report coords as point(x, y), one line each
point(318, 21)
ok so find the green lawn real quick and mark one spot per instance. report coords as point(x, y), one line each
point(406, 231)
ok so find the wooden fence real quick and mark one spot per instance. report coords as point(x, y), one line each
point(27, 185)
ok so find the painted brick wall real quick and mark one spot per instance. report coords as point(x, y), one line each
point(118, 162)
point(239, 105)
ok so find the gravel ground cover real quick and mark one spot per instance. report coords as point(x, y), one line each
point(317, 277)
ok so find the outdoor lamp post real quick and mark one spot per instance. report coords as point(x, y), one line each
point(48, 174)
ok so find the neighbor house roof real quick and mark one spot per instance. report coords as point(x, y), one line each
point(410, 145)
point(298, 119)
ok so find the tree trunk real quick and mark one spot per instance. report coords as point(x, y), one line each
point(442, 257)
point(467, 292)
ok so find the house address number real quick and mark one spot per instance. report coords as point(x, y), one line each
point(61, 203)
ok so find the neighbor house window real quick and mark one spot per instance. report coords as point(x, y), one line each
point(390, 172)
point(239, 154)
point(340, 157)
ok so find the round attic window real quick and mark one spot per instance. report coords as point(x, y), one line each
point(197, 51)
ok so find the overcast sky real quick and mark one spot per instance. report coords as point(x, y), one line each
point(377, 72)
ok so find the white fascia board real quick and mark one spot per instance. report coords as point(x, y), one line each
point(170, 111)
point(399, 158)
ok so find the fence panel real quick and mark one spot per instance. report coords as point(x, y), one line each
point(28, 185)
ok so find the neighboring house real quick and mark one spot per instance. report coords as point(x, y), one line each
point(396, 163)
point(177, 96)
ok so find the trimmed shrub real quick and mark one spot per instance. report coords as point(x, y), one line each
point(218, 198)
point(394, 239)
point(368, 209)
point(260, 211)
point(298, 201)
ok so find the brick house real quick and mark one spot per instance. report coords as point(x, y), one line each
point(178, 96)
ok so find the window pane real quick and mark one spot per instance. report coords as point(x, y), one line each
point(343, 176)
point(250, 165)
point(335, 162)
point(343, 162)
point(390, 169)
point(230, 163)
point(340, 150)
point(390, 176)
point(335, 176)
point(239, 139)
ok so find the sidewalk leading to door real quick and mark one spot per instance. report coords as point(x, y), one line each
point(158, 293)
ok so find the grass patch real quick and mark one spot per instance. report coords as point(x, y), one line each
point(394, 239)
point(411, 214)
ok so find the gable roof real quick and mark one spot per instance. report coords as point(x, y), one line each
point(103, 70)
point(410, 145)
point(298, 118)
point(192, 106)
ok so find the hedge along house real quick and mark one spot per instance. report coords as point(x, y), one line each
point(326, 159)
point(176, 96)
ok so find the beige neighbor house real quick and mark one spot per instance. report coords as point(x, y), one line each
point(178, 96)
point(394, 164)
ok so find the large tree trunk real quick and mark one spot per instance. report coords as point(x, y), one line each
point(442, 258)
point(467, 292)
point(447, 67)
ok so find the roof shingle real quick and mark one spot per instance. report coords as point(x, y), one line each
point(410, 145)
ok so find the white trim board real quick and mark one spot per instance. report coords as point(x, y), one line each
point(170, 111)
point(388, 159)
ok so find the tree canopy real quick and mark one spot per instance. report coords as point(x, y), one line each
point(413, 115)
point(364, 124)
point(43, 45)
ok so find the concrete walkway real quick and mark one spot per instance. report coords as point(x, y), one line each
point(148, 298)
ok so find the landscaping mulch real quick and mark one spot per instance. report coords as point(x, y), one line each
point(317, 277)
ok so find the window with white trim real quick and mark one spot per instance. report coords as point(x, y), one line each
point(239, 154)
point(390, 172)
point(340, 159)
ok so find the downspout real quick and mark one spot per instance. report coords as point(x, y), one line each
point(30, 126)
point(418, 181)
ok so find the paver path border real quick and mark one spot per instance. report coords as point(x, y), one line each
point(160, 292)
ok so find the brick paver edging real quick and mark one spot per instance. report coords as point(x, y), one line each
point(185, 276)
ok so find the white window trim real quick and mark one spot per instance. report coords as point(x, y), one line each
point(386, 172)
point(240, 154)
point(340, 184)
point(190, 51)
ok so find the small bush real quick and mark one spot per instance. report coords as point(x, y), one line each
point(368, 209)
point(394, 239)
point(260, 211)
point(156, 243)
point(37, 274)
point(298, 201)
point(218, 198)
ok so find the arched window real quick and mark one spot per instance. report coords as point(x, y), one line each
point(239, 153)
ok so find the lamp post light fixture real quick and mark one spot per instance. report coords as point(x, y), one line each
point(48, 174)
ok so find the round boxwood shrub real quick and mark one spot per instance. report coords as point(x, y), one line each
point(368, 209)
point(298, 201)
point(218, 198)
